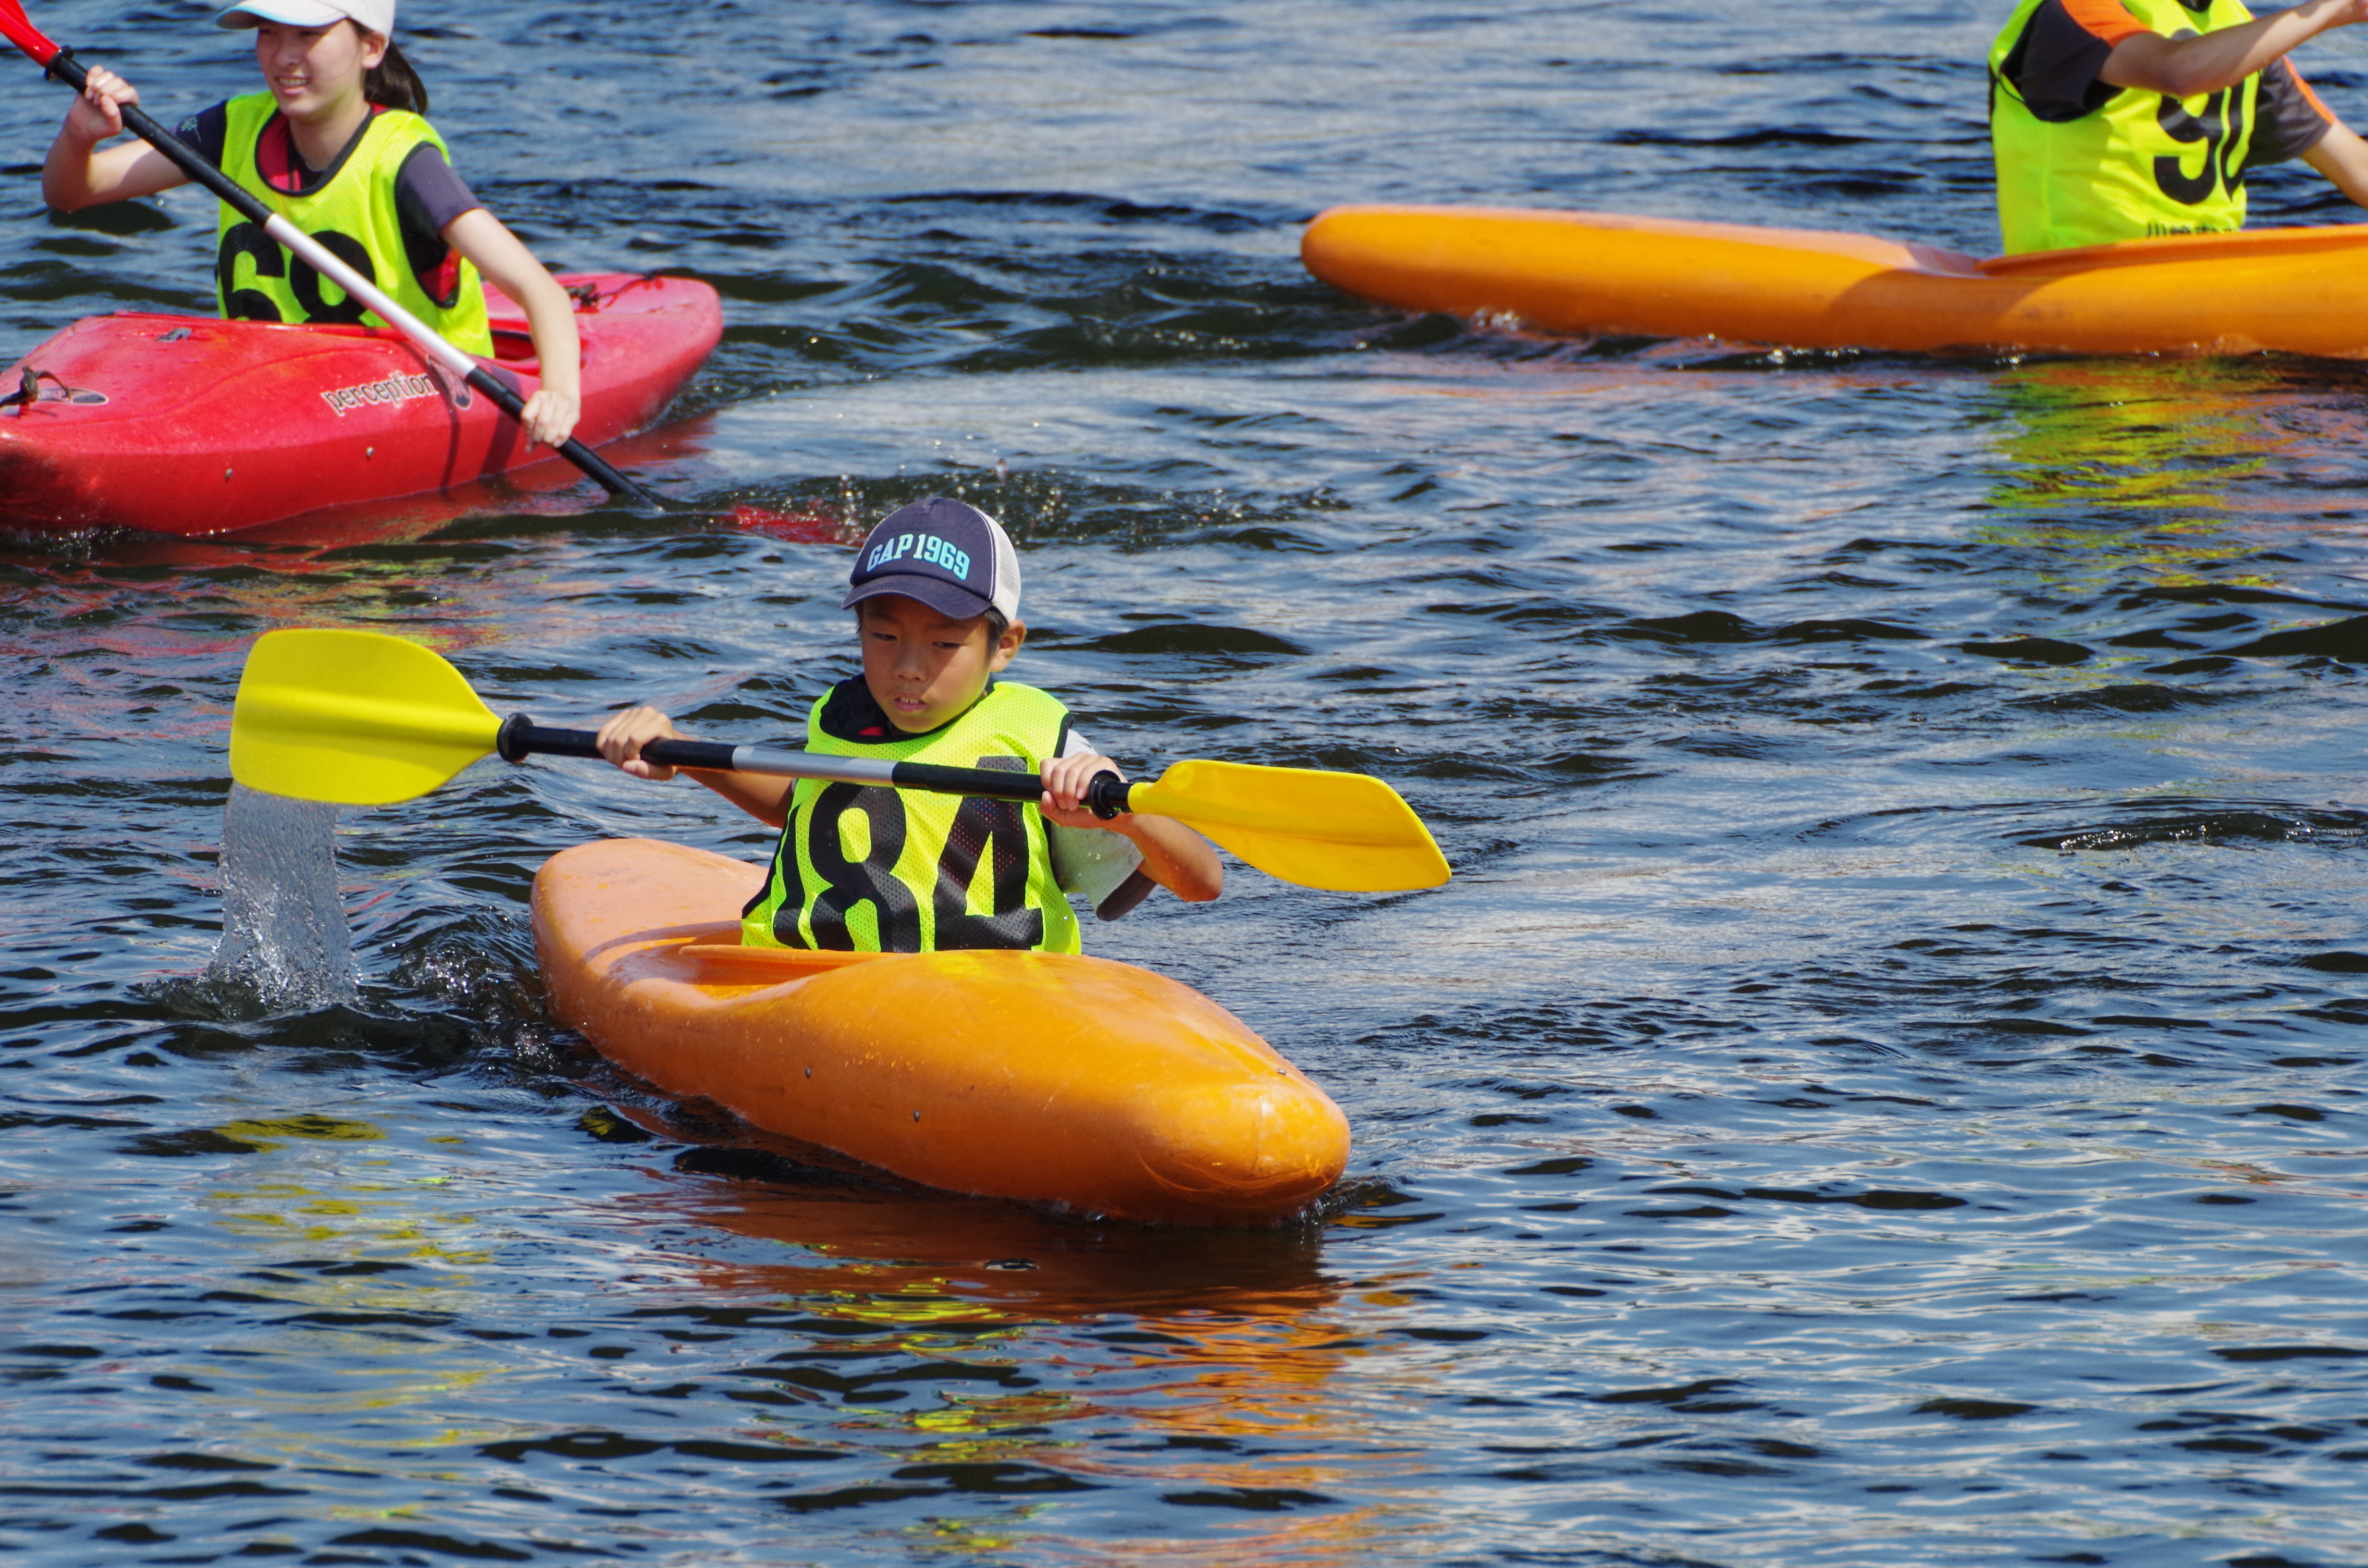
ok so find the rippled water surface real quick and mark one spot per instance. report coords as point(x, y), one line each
point(1883, 1087)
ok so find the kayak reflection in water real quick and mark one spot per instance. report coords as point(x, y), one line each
point(336, 145)
point(936, 595)
point(2117, 120)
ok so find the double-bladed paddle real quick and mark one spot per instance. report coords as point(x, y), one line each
point(61, 63)
point(362, 719)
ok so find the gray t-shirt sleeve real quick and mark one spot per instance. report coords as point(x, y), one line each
point(428, 193)
point(2288, 118)
point(1089, 861)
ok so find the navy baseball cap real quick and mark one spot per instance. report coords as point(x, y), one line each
point(946, 554)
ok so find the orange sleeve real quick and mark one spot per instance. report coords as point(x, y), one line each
point(2307, 93)
point(2106, 20)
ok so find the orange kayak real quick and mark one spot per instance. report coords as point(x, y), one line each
point(1051, 1079)
point(2293, 291)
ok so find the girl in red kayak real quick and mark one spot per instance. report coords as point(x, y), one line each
point(336, 144)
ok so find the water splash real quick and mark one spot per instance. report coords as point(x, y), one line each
point(284, 937)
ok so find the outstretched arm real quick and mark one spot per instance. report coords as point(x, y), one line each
point(621, 741)
point(552, 413)
point(2343, 157)
point(77, 174)
point(2183, 67)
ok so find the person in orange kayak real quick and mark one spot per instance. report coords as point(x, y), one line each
point(936, 595)
point(2117, 120)
point(336, 144)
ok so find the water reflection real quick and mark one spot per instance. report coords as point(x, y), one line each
point(1215, 1350)
point(2176, 435)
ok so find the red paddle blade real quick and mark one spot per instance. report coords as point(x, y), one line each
point(21, 33)
point(807, 527)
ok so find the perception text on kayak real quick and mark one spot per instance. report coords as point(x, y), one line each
point(394, 388)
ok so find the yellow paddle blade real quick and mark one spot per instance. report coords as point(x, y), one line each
point(1342, 831)
point(358, 718)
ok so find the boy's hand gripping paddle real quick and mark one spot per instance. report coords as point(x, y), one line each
point(362, 719)
point(61, 63)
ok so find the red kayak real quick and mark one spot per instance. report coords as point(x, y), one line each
point(187, 425)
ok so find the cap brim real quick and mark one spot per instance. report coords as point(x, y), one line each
point(288, 13)
point(946, 598)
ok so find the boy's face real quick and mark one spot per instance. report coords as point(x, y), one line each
point(925, 668)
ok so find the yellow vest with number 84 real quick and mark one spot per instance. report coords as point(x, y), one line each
point(871, 869)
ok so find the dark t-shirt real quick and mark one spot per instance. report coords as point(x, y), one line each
point(2053, 66)
point(428, 193)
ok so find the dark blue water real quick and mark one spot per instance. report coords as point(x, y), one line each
point(1884, 1088)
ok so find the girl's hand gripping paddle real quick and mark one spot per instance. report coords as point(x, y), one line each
point(362, 719)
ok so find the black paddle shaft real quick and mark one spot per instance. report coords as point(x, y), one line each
point(521, 737)
point(186, 158)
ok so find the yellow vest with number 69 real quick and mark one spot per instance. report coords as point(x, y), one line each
point(2142, 164)
point(866, 870)
point(353, 214)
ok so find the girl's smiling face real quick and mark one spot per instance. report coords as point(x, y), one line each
point(315, 72)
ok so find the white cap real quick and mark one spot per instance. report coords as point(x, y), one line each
point(375, 15)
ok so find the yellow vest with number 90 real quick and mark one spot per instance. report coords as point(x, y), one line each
point(2142, 164)
point(353, 215)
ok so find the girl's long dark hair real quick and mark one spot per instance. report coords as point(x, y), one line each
point(392, 82)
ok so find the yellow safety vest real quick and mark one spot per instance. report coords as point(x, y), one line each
point(2142, 164)
point(353, 214)
point(867, 870)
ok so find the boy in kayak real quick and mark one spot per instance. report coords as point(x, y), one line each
point(336, 145)
point(936, 595)
point(2114, 119)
